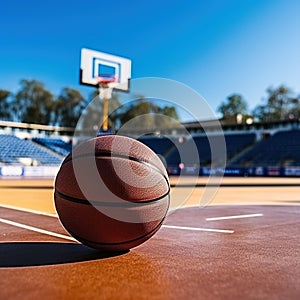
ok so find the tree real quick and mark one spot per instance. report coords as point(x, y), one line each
point(33, 103)
point(68, 107)
point(260, 112)
point(146, 114)
point(233, 106)
point(280, 104)
point(294, 112)
point(5, 113)
point(170, 111)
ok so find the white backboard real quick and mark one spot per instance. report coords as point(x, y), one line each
point(95, 64)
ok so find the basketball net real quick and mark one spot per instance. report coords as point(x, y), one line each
point(105, 84)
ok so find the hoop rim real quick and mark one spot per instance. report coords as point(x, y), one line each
point(105, 80)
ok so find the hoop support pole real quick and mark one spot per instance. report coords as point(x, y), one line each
point(105, 95)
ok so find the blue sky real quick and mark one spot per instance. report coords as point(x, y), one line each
point(216, 47)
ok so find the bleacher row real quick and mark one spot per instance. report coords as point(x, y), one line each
point(242, 150)
point(281, 149)
point(38, 151)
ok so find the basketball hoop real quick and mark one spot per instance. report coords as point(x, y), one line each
point(107, 73)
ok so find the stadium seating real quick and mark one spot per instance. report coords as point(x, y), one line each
point(160, 145)
point(280, 149)
point(13, 150)
point(56, 145)
point(234, 144)
point(242, 149)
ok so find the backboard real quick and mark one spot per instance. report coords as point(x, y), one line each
point(95, 65)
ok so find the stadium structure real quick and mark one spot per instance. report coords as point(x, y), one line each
point(257, 149)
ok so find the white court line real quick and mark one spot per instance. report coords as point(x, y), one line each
point(36, 212)
point(61, 236)
point(198, 229)
point(234, 217)
point(72, 239)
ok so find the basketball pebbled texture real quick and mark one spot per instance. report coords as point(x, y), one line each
point(112, 193)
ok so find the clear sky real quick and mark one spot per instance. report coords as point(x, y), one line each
point(217, 47)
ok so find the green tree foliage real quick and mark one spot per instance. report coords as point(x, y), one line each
point(170, 111)
point(5, 113)
point(136, 108)
point(280, 104)
point(233, 106)
point(68, 107)
point(147, 114)
point(294, 112)
point(33, 103)
point(128, 114)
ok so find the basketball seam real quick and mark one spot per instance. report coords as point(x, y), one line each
point(114, 155)
point(118, 243)
point(70, 158)
point(110, 204)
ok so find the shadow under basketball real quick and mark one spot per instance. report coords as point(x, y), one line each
point(26, 254)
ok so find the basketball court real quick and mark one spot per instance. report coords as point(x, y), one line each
point(225, 250)
point(242, 243)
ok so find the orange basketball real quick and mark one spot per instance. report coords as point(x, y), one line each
point(112, 193)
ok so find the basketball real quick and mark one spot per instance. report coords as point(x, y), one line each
point(112, 193)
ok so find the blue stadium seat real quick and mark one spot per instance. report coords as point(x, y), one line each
point(56, 145)
point(235, 143)
point(13, 148)
point(159, 144)
point(280, 149)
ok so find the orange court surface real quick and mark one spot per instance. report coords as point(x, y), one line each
point(243, 244)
